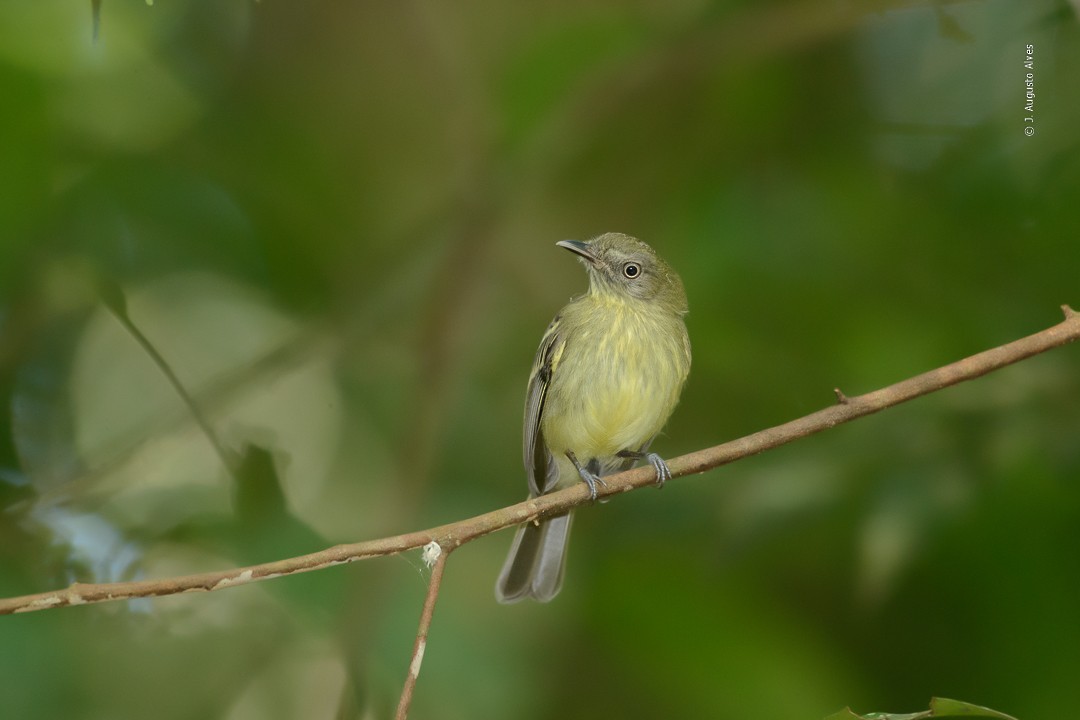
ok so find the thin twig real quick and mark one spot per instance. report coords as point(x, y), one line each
point(458, 533)
point(421, 636)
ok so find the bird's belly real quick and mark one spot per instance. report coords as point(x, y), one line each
point(611, 393)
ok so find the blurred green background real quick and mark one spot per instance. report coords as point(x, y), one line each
point(336, 221)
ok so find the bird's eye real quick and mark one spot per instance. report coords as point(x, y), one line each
point(631, 270)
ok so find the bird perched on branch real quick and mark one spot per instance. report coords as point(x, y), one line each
point(606, 378)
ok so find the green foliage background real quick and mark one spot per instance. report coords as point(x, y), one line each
point(337, 223)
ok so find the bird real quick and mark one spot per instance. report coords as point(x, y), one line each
point(607, 375)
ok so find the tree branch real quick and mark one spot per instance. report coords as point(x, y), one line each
point(422, 630)
point(458, 533)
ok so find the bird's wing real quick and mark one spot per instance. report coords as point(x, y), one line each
point(539, 467)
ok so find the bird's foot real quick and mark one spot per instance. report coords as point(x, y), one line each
point(591, 479)
point(663, 472)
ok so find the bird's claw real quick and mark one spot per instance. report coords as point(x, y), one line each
point(663, 472)
point(591, 480)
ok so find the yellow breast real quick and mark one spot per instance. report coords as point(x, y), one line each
point(616, 381)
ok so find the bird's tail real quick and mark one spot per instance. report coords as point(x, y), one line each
point(536, 562)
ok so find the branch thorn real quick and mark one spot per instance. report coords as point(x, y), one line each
point(841, 397)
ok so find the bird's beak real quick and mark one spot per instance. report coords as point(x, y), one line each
point(581, 248)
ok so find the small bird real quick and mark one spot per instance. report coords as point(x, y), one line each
point(606, 378)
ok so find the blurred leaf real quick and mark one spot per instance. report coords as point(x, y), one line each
point(939, 708)
point(944, 707)
point(112, 295)
point(845, 714)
